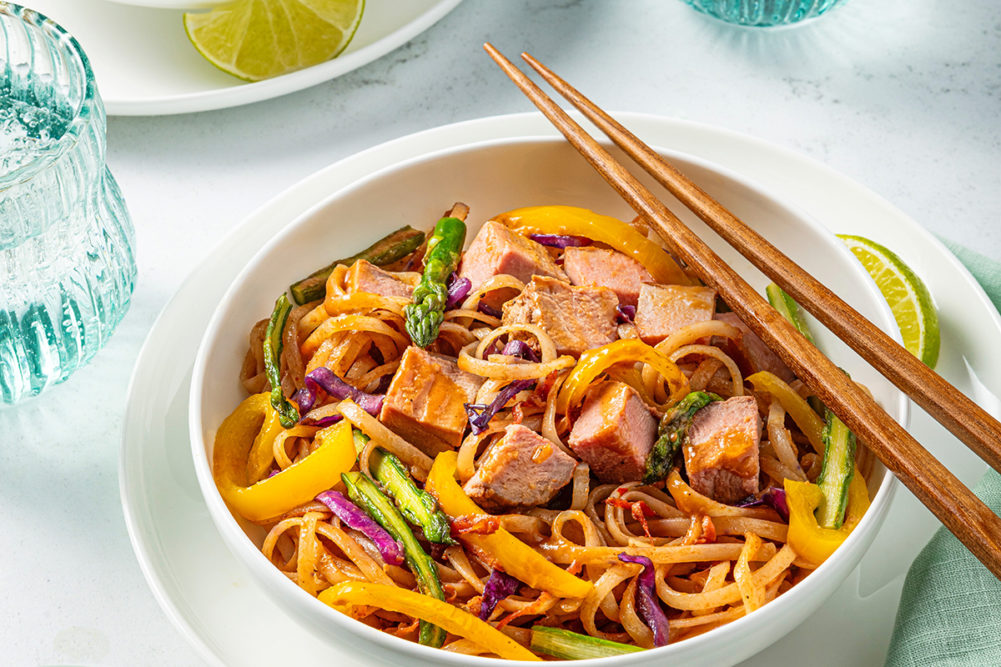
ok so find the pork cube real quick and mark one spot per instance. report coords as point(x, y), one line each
point(522, 469)
point(607, 268)
point(468, 382)
point(663, 309)
point(497, 249)
point(424, 405)
point(577, 318)
point(756, 355)
point(614, 433)
point(363, 276)
point(721, 451)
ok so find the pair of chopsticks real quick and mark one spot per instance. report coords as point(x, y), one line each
point(956, 506)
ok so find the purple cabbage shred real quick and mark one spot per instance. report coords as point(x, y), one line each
point(773, 496)
point(480, 415)
point(625, 313)
point(354, 517)
point(499, 586)
point(458, 290)
point(521, 349)
point(560, 240)
point(647, 604)
point(321, 422)
point(489, 310)
point(325, 379)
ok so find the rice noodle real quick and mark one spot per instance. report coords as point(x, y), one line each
point(713, 562)
point(718, 355)
point(781, 441)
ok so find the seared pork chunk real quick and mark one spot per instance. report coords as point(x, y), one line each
point(522, 469)
point(424, 405)
point(591, 266)
point(496, 250)
point(614, 433)
point(363, 276)
point(577, 318)
point(721, 452)
point(663, 309)
point(469, 383)
point(753, 351)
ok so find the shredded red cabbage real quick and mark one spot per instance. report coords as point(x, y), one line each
point(560, 240)
point(489, 310)
point(480, 415)
point(521, 349)
point(773, 496)
point(625, 313)
point(499, 586)
point(325, 379)
point(322, 422)
point(457, 291)
point(647, 604)
point(354, 517)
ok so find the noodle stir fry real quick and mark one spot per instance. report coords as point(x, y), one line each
point(556, 444)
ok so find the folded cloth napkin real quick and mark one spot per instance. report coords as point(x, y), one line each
point(950, 611)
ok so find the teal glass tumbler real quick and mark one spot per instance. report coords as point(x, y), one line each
point(763, 13)
point(67, 267)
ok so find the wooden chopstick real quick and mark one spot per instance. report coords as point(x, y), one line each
point(956, 506)
point(946, 404)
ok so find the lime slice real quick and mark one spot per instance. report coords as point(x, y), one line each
point(907, 296)
point(259, 39)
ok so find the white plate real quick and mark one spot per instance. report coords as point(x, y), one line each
point(169, 4)
point(213, 602)
point(145, 65)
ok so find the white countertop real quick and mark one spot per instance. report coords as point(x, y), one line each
point(903, 96)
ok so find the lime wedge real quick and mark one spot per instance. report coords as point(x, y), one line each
point(259, 39)
point(907, 296)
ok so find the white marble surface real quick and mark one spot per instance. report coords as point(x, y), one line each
point(901, 95)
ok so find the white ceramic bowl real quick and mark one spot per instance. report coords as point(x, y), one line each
point(491, 178)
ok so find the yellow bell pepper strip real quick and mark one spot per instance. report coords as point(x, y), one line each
point(612, 232)
point(261, 453)
point(808, 421)
point(595, 362)
point(348, 594)
point(297, 484)
point(811, 542)
point(513, 556)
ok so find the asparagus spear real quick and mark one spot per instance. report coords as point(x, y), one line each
point(789, 309)
point(568, 645)
point(671, 433)
point(838, 466)
point(364, 492)
point(386, 250)
point(426, 311)
point(288, 415)
point(419, 507)
point(836, 472)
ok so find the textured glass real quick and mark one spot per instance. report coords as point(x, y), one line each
point(763, 13)
point(66, 262)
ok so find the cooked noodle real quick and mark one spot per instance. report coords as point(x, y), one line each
point(713, 562)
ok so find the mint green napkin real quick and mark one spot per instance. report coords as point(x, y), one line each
point(950, 611)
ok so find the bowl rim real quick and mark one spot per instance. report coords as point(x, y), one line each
point(251, 557)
